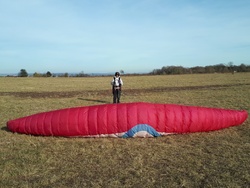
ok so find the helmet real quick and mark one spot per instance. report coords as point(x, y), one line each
point(117, 74)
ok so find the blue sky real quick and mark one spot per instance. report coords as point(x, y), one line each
point(103, 36)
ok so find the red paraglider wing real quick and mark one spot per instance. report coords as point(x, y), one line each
point(117, 119)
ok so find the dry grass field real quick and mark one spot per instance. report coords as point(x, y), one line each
point(212, 159)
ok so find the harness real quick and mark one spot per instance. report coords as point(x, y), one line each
point(120, 85)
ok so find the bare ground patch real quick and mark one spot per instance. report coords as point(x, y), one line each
point(69, 94)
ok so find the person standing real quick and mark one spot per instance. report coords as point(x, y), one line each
point(116, 87)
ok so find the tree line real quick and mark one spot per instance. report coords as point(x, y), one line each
point(166, 70)
point(219, 68)
point(24, 73)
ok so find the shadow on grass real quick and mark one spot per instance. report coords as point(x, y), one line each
point(94, 100)
point(5, 129)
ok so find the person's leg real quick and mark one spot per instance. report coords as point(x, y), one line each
point(115, 96)
point(118, 95)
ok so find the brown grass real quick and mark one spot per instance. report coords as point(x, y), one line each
point(213, 159)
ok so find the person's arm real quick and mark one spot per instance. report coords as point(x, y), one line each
point(121, 82)
point(112, 82)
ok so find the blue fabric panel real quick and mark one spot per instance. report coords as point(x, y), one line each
point(141, 127)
